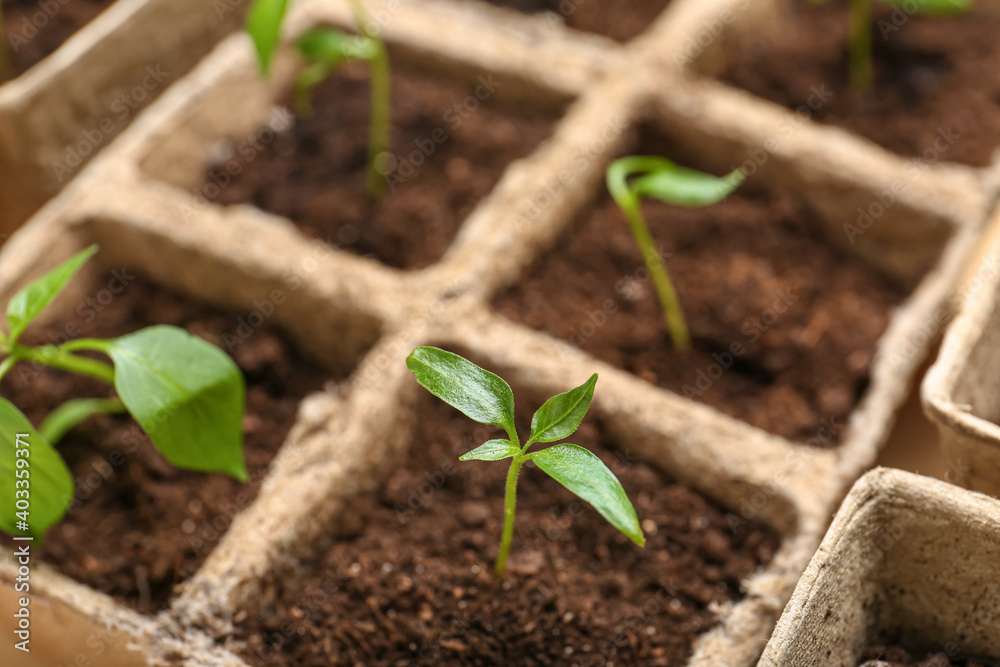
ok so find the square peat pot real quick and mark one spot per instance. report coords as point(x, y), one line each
point(414, 559)
point(230, 145)
point(576, 275)
point(931, 99)
point(73, 97)
point(960, 390)
point(908, 568)
point(139, 528)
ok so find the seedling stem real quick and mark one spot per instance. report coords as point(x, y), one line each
point(660, 178)
point(6, 62)
point(509, 505)
point(860, 49)
point(381, 101)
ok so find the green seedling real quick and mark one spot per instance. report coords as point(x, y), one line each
point(859, 50)
point(487, 399)
point(185, 393)
point(630, 179)
point(324, 50)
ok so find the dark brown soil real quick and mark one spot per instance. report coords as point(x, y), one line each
point(621, 21)
point(937, 88)
point(139, 525)
point(33, 30)
point(783, 327)
point(415, 585)
point(451, 148)
point(893, 655)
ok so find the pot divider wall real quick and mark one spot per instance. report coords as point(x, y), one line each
point(59, 114)
point(960, 390)
point(888, 568)
point(71, 624)
point(135, 199)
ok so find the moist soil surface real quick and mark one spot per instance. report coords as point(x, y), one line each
point(936, 90)
point(415, 585)
point(451, 148)
point(621, 21)
point(139, 525)
point(894, 655)
point(783, 327)
point(31, 33)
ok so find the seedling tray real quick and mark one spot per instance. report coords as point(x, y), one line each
point(138, 201)
point(959, 391)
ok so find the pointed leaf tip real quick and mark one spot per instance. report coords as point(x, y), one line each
point(263, 24)
point(561, 415)
point(586, 475)
point(36, 296)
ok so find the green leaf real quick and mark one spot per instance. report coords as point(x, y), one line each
point(477, 393)
point(561, 415)
point(29, 303)
point(585, 475)
point(935, 6)
point(264, 19)
point(186, 394)
point(72, 412)
point(491, 450)
point(681, 186)
point(50, 486)
point(334, 47)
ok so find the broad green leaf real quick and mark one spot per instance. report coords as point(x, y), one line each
point(477, 393)
point(561, 415)
point(264, 19)
point(334, 47)
point(186, 394)
point(71, 413)
point(586, 475)
point(491, 450)
point(36, 296)
point(681, 186)
point(49, 484)
point(935, 6)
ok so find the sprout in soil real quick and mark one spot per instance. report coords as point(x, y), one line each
point(486, 398)
point(860, 32)
point(659, 178)
point(324, 50)
point(185, 393)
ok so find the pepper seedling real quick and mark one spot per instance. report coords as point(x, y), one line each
point(325, 49)
point(185, 393)
point(487, 399)
point(659, 178)
point(859, 50)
